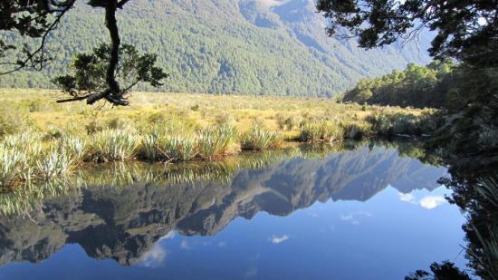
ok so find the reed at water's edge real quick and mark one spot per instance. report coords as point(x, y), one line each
point(41, 140)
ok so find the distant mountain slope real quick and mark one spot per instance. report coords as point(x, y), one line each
point(228, 46)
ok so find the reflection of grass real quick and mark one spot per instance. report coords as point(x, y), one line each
point(31, 197)
point(117, 174)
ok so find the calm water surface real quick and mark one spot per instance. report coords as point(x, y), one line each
point(367, 213)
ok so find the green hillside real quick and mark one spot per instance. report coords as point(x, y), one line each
point(226, 46)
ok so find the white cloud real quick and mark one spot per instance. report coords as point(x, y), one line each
point(278, 239)
point(431, 202)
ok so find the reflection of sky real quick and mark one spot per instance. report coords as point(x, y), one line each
point(386, 237)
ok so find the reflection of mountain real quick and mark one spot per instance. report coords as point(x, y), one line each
point(123, 223)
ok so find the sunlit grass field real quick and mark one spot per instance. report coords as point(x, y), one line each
point(283, 114)
point(41, 139)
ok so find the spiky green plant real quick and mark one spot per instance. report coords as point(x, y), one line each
point(322, 132)
point(18, 156)
point(149, 148)
point(54, 163)
point(259, 139)
point(114, 145)
point(13, 167)
point(74, 147)
point(215, 141)
point(177, 148)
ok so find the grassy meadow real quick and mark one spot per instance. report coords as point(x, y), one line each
point(41, 139)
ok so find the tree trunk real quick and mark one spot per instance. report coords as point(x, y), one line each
point(113, 92)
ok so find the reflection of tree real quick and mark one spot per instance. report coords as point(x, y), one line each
point(478, 196)
point(476, 193)
point(123, 222)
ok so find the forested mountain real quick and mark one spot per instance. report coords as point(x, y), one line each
point(227, 46)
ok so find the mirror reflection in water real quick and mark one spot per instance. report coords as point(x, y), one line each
point(366, 212)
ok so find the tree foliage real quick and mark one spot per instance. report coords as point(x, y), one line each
point(38, 18)
point(416, 86)
point(89, 70)
point(34, 19)
point(466, 30)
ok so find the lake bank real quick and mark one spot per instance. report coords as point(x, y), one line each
point(43, 140)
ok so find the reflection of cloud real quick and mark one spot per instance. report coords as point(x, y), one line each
point(427, 202)
point(353, 217)
point(278, 239)
point(407, 197)
point(349, 218)
point(431, 202)
point(184, 245)
point(222, 244)
point(252, 272)
point(154, 258)
point(170, 235)
point(365, 213)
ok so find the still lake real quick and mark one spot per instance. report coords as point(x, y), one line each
point(368, 212)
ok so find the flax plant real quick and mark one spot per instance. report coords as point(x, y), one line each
point(216, 141)
point(259, 139)
point(114, 145)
